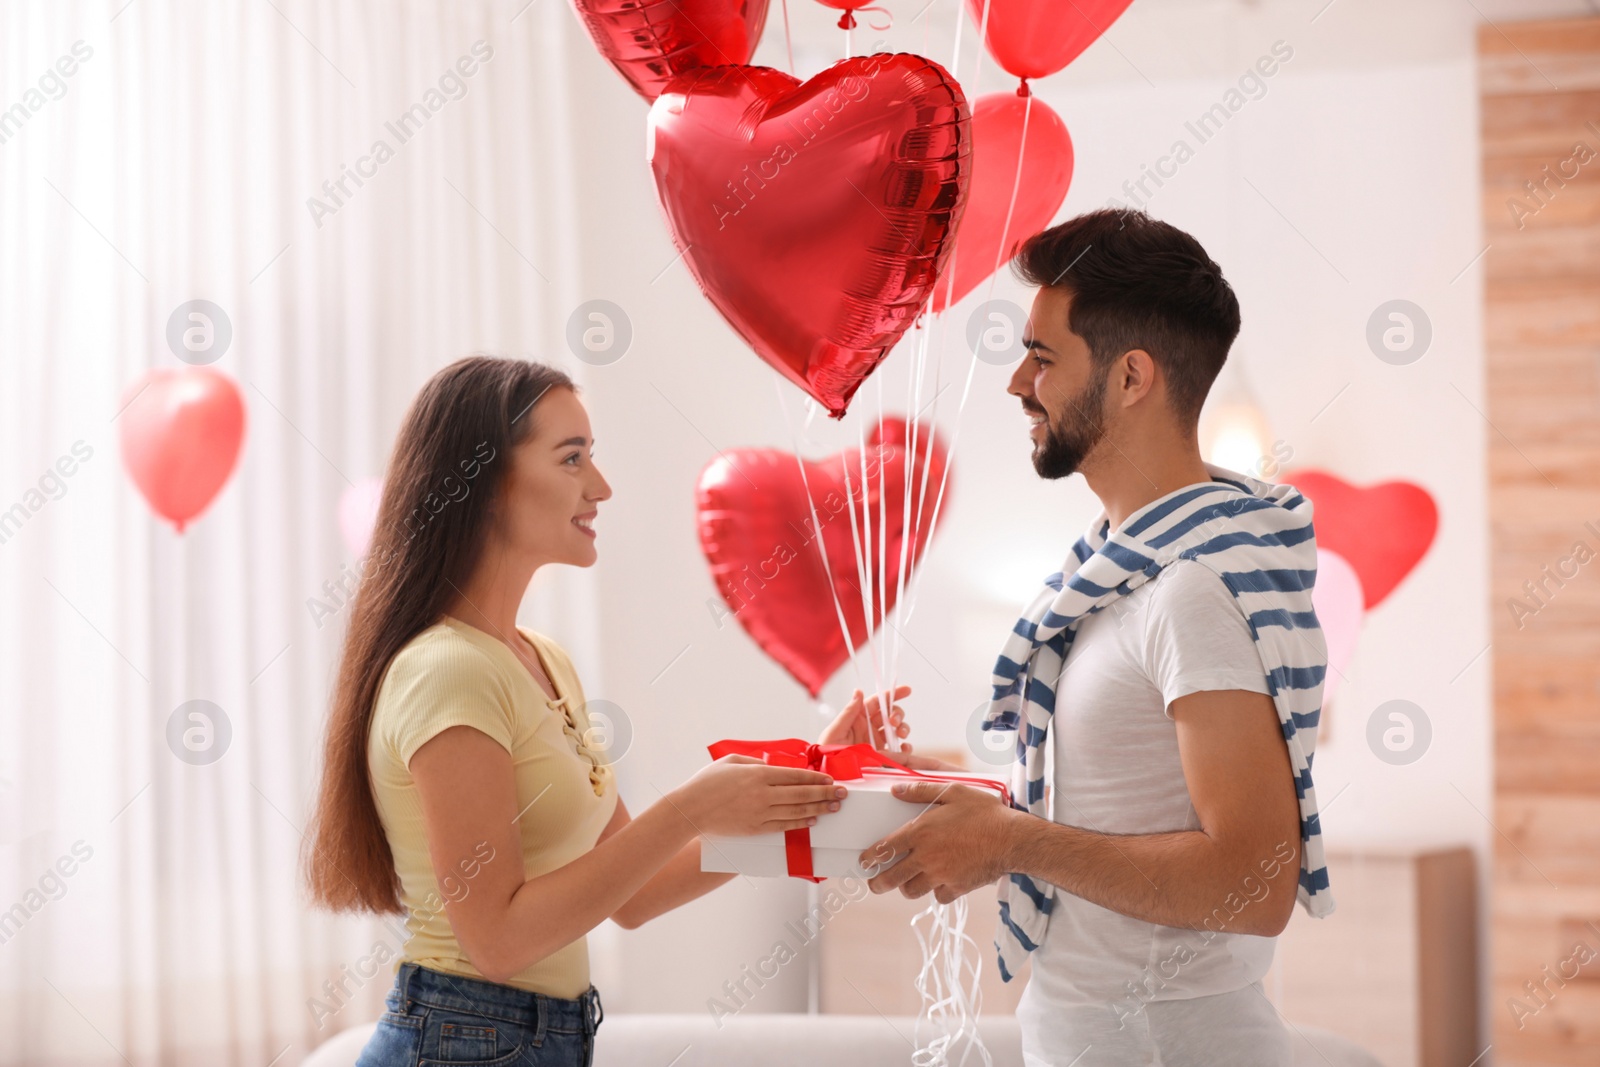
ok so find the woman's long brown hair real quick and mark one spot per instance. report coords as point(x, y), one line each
point(439, 493)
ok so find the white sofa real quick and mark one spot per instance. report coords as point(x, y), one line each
point(791, 1040)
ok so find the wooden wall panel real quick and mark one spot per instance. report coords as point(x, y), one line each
point(1395, 967)
point(1540, 98)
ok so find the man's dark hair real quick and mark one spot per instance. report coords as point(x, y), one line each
point(1137, 282)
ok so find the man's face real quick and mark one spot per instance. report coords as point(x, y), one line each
point(1059, 387)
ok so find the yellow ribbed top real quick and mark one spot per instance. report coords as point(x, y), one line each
point(453, 674)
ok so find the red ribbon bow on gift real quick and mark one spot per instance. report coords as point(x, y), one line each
point(841, 762)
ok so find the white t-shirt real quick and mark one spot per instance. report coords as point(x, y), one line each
point(1134, 992)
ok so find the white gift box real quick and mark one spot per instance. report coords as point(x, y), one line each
point(867, 815)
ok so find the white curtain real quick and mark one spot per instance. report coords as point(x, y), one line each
point(150, 908)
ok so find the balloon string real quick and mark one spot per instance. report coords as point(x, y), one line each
point(955, 440)
point(788, 40)
point(883, 568)
point(944, 476)
point(947, 940)
point(983, 38)
point(999, 257)
point(880, 571)
point(863, 585)
point(955, 65)
point(869, 587)
point(955, 56)
point(912, 551)
point(908, 466)
point(816, 531)
point(888, 18)
point(1016, 183)
point(947, 985)
point(927, 464)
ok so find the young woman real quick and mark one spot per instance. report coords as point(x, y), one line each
point(461, 783)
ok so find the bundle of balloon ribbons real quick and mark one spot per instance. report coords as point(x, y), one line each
point(823, 219)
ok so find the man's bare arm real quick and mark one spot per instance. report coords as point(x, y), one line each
point(1240, 869)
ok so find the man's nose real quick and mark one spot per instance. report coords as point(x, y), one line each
point(1021, 384)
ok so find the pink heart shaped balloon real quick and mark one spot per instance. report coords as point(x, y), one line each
point(358, 513)
point(1338, 601)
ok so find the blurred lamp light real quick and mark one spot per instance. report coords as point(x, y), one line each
point(1234, 433)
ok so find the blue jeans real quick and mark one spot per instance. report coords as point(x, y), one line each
point(436, 1018)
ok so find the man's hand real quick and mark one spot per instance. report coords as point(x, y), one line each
point(961, 840)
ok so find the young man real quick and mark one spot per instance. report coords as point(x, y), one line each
point(1165, 687)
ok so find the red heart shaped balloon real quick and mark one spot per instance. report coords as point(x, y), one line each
point(758, 535)
point(180, 432)
point(816, 217)
point(650, 42)
point(997, 145)
point(1383, 530)
point(1033, 38)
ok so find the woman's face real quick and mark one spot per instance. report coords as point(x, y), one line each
point(548, 503)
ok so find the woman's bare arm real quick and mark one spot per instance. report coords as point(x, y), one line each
point(504, 921)
point(678, 882)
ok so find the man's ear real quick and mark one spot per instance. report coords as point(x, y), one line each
point(1138, 373)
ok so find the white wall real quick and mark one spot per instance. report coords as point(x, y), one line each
point(1354, 180)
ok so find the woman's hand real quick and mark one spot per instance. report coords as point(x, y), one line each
point(861, 723)
point(740, 795)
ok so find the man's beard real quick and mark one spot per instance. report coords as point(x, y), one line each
point(1063, 448)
